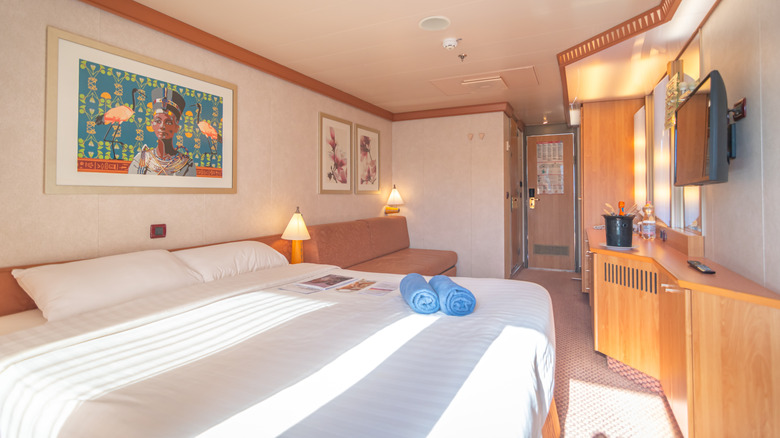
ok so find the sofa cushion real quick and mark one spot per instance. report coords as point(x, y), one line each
point(405, 261)
point(388, 234)
point(342, 244)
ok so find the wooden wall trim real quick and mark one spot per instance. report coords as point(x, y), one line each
point(168, 25)
point(504, 107)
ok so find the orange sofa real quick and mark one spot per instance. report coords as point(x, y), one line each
point(379, 244)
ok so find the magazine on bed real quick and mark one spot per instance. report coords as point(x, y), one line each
point(318, 284)
point(341, 283)
point(369, 287)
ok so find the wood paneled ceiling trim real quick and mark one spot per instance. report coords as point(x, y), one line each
point(622, 32)
point(504, 107)
point(617, 34)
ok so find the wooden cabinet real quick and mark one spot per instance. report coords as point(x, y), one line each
point(606, 161)
point(736, 371)
point(674, 303)
point(712, 340)
point(626, 312)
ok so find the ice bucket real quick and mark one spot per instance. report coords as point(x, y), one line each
point(619, 230)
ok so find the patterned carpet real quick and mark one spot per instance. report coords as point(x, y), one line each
point(596, 399)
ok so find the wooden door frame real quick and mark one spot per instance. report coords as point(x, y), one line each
point(519, 160)
point(558, 129)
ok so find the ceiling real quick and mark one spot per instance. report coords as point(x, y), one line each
point(377, 52)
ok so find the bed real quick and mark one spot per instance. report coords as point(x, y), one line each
point(239, 349)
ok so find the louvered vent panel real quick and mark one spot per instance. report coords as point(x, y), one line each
point(633, 278)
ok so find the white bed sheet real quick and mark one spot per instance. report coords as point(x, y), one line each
point(236, 358)
point(20, 321)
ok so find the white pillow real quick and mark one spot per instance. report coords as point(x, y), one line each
point(229, 259)
point(71, 288)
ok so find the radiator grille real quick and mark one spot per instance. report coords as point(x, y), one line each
point(634, 278)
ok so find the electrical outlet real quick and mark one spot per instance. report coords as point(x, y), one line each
point(157, 231)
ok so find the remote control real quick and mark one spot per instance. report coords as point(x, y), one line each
point(701, 267)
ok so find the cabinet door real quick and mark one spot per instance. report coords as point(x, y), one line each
point(626, 312)
point(675, 334)
point(736, 352)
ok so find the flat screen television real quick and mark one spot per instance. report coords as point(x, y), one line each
point(701, 135)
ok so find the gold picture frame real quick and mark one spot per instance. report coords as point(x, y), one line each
point(366, 160)
point(335, 155)
point(101, 106)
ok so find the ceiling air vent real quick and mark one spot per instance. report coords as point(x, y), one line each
point(494, 81)
point(484, 84)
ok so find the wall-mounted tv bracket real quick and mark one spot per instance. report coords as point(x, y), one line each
point(737, 113)
point(738, 110)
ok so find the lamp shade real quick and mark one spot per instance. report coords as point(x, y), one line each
point(296, 229)
point(395, 198)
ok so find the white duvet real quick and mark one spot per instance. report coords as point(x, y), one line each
point(238, 357)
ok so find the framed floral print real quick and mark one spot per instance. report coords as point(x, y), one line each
point(335, 158)
point(120, 122)
point(366, 160)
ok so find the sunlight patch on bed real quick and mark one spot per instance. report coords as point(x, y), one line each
point(283, 410)
point(486, 406)
point(63, 378)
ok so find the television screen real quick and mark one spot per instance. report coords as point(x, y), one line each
point(701, 129)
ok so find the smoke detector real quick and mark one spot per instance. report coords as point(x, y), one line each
point(450, 43)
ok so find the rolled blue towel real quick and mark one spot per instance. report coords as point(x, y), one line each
point(419, 294)
point(454, 299)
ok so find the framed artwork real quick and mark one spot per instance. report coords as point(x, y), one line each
point(367, 160)
point(335, 158)
point(119, 122)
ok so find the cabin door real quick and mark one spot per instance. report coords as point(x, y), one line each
point(550, 202)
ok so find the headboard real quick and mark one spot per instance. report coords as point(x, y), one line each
point(14, 299)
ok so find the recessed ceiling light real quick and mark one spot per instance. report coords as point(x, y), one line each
point(437, 22)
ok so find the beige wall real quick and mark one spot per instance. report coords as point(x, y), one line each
point(277, 151)
point(742, 216)
point(453, 187)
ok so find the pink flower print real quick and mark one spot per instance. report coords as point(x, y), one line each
point(332, 141)
point(365, 146)
point(338, 170)
point(368, 173)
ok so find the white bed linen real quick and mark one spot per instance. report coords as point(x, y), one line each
point(21, 321)
point(236, 358)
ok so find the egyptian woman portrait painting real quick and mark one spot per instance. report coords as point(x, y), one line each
point(163, 158)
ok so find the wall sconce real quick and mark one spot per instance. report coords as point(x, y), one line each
point(393, 201)
point(297, 232)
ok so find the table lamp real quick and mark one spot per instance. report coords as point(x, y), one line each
point(393, 202)
point(297, 232)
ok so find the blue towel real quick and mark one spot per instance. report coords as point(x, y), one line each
point(454, 299)
point(419, 294)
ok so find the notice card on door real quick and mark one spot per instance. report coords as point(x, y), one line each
point(549, 168)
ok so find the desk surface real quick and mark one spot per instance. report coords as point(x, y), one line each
point(724, 282)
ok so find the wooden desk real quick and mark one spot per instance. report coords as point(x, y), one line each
point(712, 340)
